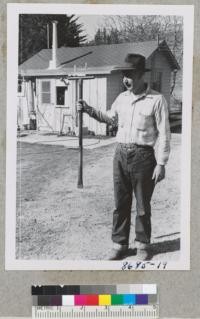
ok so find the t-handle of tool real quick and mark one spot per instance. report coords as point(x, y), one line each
point(80, 125)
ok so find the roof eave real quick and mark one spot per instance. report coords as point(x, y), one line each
point(67, 72)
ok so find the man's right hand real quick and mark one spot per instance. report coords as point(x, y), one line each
point(81, 105)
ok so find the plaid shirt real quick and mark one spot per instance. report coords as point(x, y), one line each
point(142, 119)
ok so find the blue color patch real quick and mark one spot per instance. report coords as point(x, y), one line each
point(129, 299)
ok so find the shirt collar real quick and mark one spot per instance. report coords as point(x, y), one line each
point(139, 96)
point(145, 93)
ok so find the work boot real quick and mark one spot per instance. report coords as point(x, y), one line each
point(142, 250)
point(118, 252)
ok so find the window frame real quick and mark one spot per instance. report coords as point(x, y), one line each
point(45, 92)
point(156, 78)
point(20, 79)
point(64, 88)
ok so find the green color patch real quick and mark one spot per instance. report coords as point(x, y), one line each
point(117, 300)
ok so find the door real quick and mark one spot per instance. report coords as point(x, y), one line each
point(46, 106)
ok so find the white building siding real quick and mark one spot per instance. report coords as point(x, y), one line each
point(94, 93)
point(55, 117)
point(65, 115)
point(25, 102)
point(160, 63)
point(114, 87)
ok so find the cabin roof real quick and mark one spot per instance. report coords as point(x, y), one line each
point(99, 59)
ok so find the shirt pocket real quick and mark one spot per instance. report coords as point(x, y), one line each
point(144, 122)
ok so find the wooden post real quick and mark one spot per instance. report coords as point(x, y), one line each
point(80, 79)
point(80, 120)
point(48, 36)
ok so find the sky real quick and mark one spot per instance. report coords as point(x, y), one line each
point(91, 23)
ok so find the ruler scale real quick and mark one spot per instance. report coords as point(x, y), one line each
point(85, 312)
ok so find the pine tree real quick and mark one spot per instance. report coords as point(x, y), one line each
point(33, 33)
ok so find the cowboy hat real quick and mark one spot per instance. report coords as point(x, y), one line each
point(133, 62)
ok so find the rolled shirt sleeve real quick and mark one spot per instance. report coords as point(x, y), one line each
point(163, 128)
point(109, 117)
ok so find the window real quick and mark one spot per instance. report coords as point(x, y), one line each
point(19, 85)
point(157, 80)
point(60, 95)
point(45, 92)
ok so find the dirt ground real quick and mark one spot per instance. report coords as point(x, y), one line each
point(56, 220)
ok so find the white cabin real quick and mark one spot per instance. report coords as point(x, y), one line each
point(47, 96)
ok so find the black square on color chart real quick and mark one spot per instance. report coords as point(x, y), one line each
point(37, 290)
point(71, 290)
point(51, 290)
point(56, 290)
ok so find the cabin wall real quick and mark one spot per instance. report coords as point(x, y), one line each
point(94, 93)
point(52, 116)
point(22, 107)
point(65, 115)
point(26, 100)
point(57, 118)
point(147, 76)
point(114, 87)
point(160, 63)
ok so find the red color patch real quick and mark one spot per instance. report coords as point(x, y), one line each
point(92, 300)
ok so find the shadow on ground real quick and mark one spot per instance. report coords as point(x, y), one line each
point(158, 248)
point(163, 247)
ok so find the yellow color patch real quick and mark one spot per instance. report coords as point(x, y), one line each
point(104, 300)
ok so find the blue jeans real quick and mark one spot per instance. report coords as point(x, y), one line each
point(133, 167)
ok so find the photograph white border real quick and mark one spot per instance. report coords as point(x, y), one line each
point(13, 11)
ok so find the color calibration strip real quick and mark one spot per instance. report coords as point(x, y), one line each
point(95, 300)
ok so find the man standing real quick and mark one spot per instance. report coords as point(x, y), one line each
point(142, 116)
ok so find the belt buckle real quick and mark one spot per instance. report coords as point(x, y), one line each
point(131, 146)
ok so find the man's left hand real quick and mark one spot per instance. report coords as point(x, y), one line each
point(159, 173)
